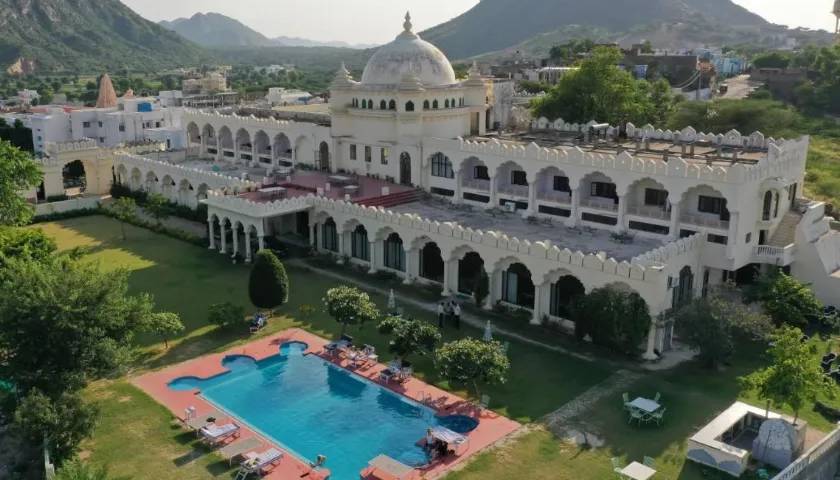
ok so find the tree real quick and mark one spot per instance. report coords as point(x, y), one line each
point(350, 306)
point(225, 314)
point(747, 116)
point(772, 60)
point(25, 243)
point(613, 317)
point(482, 287)
point(601, 90)
point(268, 285)
point(472, 362)
point(63, 321)
point(793, 378)
point(157, 206)
point(63, 423)
point(716, 324)
point(125, 210)
point(165, 324)
point(409, 336)
point(18, 173)
point(787, 300)
point(76, 469)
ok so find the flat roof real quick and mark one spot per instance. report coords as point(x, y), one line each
point(587, 240)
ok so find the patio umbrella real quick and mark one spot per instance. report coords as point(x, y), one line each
point(392, 302)
point(488, 332)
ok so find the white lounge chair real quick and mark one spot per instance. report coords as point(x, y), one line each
point(216, 434)
point(262, 462)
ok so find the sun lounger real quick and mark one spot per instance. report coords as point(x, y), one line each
point(197, 422)
point(216, 434)
point(237, 449)
point(263, 462)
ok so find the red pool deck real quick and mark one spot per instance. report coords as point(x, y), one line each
point(306, 183)
point(491, 428)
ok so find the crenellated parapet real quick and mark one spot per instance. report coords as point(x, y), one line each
point(249, 120)
point(664, 254)
point(213, 179)
point(54, 148)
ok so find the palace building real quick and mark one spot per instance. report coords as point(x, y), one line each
point(406, 172)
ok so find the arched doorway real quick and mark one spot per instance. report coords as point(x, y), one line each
point(517, 286)
point(324, 157)
point(73, 178)
point(470, 271)
point(431, 262)
point(359, 246)
point(329, 235)
point(768, 205)
point(684, 291)
point(563, 293)
point(394, 253)
point(405, 168)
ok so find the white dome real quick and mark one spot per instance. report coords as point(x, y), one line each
point(408, 55)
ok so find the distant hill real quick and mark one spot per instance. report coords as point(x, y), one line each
point(88, 36)
point(216, 30)
point(305, 42)
point(489, 26)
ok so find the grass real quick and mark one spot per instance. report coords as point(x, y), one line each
point(822, 180)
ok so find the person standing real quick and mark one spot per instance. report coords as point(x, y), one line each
point(456, 312)
point(440, 315)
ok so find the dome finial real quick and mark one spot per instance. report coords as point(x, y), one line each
point(407, 24)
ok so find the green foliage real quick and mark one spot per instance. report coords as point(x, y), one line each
point(17, 173)
point(612, 317)
point(787, 300)
point(63, 422)
point(793, 378)
point(157, 207)
point(481, 288)
point(715, 325)
point(25, 243)
point(165, 324)
point(409, 336)
point(772, 60)
point(350, 306)
point(534, 87)
point(472, 362)
point(570, 52)
point(600, 90)
point(225, 314)
point(77, 469)
point(125, 210)
point(268, 285)
point(63, 321)
point(767, 116)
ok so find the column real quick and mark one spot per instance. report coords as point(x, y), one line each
point(223, 248)
point(494, 196)
point(235, 242)
point(212, 225)
point(492, 294)
point(260, 239)
point(622, 211)
point(536, 319)
point(313, 228)
point(373, 256)
point(341, 249)
point(412, 265)
point(575, 208)
point(248, 245)
point(532, 198)
point(674, 229)
point(458, 194)
point(732, 240)
point(651, 343)
point(450, 268)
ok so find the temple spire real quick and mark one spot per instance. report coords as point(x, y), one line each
point(107, 96)
point(407, 24)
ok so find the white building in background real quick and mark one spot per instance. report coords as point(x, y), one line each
point(406, 175)
point(282, 96)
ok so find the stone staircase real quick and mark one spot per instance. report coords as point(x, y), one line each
point(785, 233)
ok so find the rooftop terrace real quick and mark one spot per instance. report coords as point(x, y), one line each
point(587, 240)
point(357, 189)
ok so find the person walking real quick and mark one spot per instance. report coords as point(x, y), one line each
point(456, 312)
point(440, 315)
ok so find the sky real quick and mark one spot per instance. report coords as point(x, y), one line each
point(378, 21)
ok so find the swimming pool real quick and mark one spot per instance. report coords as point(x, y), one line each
point(312, 407)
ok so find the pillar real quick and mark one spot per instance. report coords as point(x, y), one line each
point(492, 294)
point(458, 194)
point(622, 211)
point(248, 245)
point(212, 225)
point(536, 319)
point(674, 229)
point(532, 199)
point(223, 248)
point(235, 241)
point(575, 208)
point(313, 228)
point(412, 265)
point(450, 271)
point(260, 240)
point(732, 240)
point(373, 256)
point(651, 343)
point(494, 196)
point(341, 249)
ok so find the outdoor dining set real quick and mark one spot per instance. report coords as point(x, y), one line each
point(644, 410)
point(634, 470)
point(361, 356)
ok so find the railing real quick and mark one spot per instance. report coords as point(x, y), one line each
point(704, 221)
point(816, 463)
point(243, 148)
point(555, 197)
point(775, 255)
point(514, 190)
point(477, 184)
point(599, 204)
point(650, 212)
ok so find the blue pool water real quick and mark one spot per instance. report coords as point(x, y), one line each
point(313, 407)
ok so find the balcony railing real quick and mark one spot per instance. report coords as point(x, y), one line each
point(596, 203)
point(658, 213)
point(245, 149)
point(781, 256)
point(555, 197)
point(477, 184)
point(514, 190)
point(702, 220)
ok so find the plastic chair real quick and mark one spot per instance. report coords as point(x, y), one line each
point(617, 468)
point(658, 416)
point(636, 415)
point(648, 461)
point(626, 397)
point(657, 397)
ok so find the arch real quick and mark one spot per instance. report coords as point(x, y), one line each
point(600, 188)
point(383, 105)
point(136, 180)
point(393, 252)
point(208, 133)
point(226, 140)
point(370, 104)
point(564, 290)
point(359, 243)
point(701, 203)
point(425, 104)
point(193, 134)
point(74, 178)
point(648, 196)
point(446, 103)
point(122, 174)
point(262, 147)
point(201, 192)
point(471, 270)
point(184, 193)
point(167, 185)
point(553, 184)
point(517, 284)
point(282, 149)
point(767, 208)
point(431, 262)
point(324, 157)
point(392, 105)
point(364, 103)
point(409, 106)
point(435, 104)
point(243, 139)
point(441, 166)
point(329, 235)
point(405, 168)
point(683, 292)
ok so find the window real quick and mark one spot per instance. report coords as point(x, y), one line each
point(716, 239)
point(452, 103)
point(368, 154)
point(370, 104)
point(329, 236)
point(383, 105)
point(409, 106)
point(518, 177)
point(353, 152)
point(713, 205)
point(122, 127)
point(100, 124)
point(384, 153)
point(425, 104)
point(748, 238)
point(444, 192)
point(85, 124)
point(394, 253)
point(101, 139)
point(435, 104)
point(392, 105)
point(359, 246)
point(475, 197)
point(561, 184)
point(364, 103)
point(441, 166)
point(603, 190)
point(446, 103)
point(557, 212)
point(480, 172)
point(656, 197)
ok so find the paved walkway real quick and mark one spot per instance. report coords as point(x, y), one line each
point(610, 386)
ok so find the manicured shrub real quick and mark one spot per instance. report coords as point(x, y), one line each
point(225, 314)
point(268, 285)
